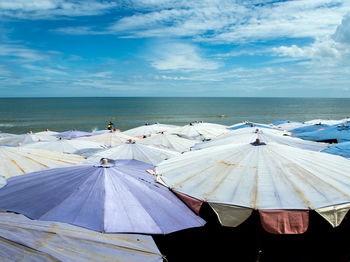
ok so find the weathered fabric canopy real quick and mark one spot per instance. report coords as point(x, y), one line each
point(118, 197)
point(324, 121)
point(2, 181)
point(309, 128)
point(168, 141)
point(341, 149)
point(236, 179)
point(110, 139)
point(333, 133)
point(284, 122)
point(290, 126)
point(248, 135)
point(70, 134)
point(47, 133)
point(209, 125)
point(199, 132)
point(71, 146)
point(147, 130)
point(248, 124)
point(149, 154)
point(19, 140)
point(23, 239)
point(16, 161)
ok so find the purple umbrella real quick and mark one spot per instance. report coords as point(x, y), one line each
point(70, 134)
point(114, 197)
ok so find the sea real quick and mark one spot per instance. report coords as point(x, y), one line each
point(21, 115)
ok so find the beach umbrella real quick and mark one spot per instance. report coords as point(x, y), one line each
point(70, 146)
point(46, 133)
point(16, 161)
point(23, 139)
point(323, 121)
point(341, 149)
point(247, 124)
point(110, 138)
point(112, 197)
point(309, 128)
point(336, 134)
point(148, 129)
point(131, 150)
point(23, 239)
point(168, 141)
point(71, 134)
point(284, 122)
point(2, 181)
point(248, 135)
point(199, 132)
point(2, 135)
point(289, 126)
point(209, 125)
point(283, 183)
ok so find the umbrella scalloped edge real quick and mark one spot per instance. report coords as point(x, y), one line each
point(278, 221)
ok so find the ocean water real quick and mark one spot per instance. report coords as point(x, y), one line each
point(20, 115)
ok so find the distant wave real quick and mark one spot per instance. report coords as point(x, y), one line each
point(6, 125)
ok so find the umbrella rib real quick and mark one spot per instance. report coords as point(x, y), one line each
point(20, 245)
point(15, 163)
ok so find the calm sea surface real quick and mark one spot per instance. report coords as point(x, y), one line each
point(20, 115)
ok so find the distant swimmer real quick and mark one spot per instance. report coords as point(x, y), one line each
point(110, 125)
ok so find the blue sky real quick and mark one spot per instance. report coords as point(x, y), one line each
point(175, 48)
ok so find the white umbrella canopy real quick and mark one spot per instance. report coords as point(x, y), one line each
point(199, 132)
point(248, 124)
point(210, 125)
point(110, 139)
point(16, 161)
point(145, 153)
point(168, 141)
point(147, 129)
point(33, 240)
point(69, 146)
point(236, 179)
point(2, 181)
point(323, 121)
point(47, 133)
point(23, 139)
point(290, 126)
point(248, 135)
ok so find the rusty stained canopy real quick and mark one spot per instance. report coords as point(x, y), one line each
point(236, 179)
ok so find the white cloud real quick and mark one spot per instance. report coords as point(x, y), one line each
point(180, 56)
point(51, 9)
point(21, 53)
point(342, 34)
point(233, 21)
point(332, 48)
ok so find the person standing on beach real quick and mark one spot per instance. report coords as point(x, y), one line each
point(110, 125)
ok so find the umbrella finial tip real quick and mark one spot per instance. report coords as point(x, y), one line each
point(104, 161)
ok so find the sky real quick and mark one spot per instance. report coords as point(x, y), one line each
point(204, 48)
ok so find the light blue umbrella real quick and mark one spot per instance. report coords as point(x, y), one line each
point(341, 149)
point(310, 128)
point(247, 124)
point(284, 122)
point(337, 134)
point(114, 197)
